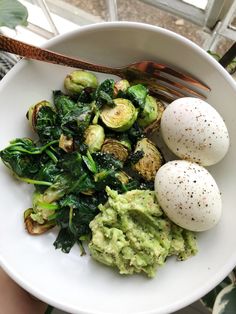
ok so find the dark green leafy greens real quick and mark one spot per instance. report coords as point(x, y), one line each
point(70, 184)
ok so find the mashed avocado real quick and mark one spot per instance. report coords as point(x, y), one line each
point(132, 234)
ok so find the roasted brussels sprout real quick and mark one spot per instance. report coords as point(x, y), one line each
point(149, 112)
point(33, 112)
point(33, 227)
point(116, 148)
point(138, 93)
point(121, 86)
point(151, 161)
point(153, 126)
point(77, 80)
point(123, 177)
point(66, 143)
point(41, 209)
point(94, 137)
point(120, 117)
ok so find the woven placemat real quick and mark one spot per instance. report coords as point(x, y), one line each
point(7, 61)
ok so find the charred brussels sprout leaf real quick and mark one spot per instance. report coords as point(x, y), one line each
point(105, 93)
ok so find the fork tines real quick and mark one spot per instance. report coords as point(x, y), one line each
point(167, 82)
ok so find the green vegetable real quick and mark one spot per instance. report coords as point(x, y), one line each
point(33, 227)
point(116, 148)
point(151, 161)
point(149, 112)
point(73, 117)
point(137, 94)
point(105, 93)
point(77, 80)
point(75, 159)
point(132, 234)
point(120, 117)
point(94, 137)
point(121, 88)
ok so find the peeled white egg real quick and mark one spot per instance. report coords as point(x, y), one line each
point(193, 130)
point(189, 195)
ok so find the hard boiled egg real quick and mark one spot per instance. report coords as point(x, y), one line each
point(188, 195)
point(193, 130)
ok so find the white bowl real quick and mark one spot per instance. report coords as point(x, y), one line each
point(78, 284)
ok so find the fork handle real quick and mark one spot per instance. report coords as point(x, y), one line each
point(22, 49)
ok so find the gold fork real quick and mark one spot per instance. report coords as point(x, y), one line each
point(162, 81)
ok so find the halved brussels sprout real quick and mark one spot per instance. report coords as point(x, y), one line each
point(77, 80)
point(138, 93)
point(149, 113)
point(120, 117)
point(33, 112)
point(116, 148)
point(151, 161)
point(94, 137)
point(121, 86)
point(66, 143)
point(153, 126)
point(123, 177)
point(33, 227)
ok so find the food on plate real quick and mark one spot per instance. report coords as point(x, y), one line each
point(76, 81)
point(188, 195)
point(150, 161)
point(87, 138)
point(121, 116)
point(100, 178)
point(117, 148)
point(149, 113)
point(195, 131)
point(132, 233)
point(94, 137)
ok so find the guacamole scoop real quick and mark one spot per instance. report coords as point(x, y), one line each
point(132, 234)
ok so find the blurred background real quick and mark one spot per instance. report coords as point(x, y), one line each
point(209, 23)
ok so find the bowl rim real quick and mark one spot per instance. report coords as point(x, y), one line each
point(225, 270)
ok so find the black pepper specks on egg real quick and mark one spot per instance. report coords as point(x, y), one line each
point(193, 203)
point(195, 131)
